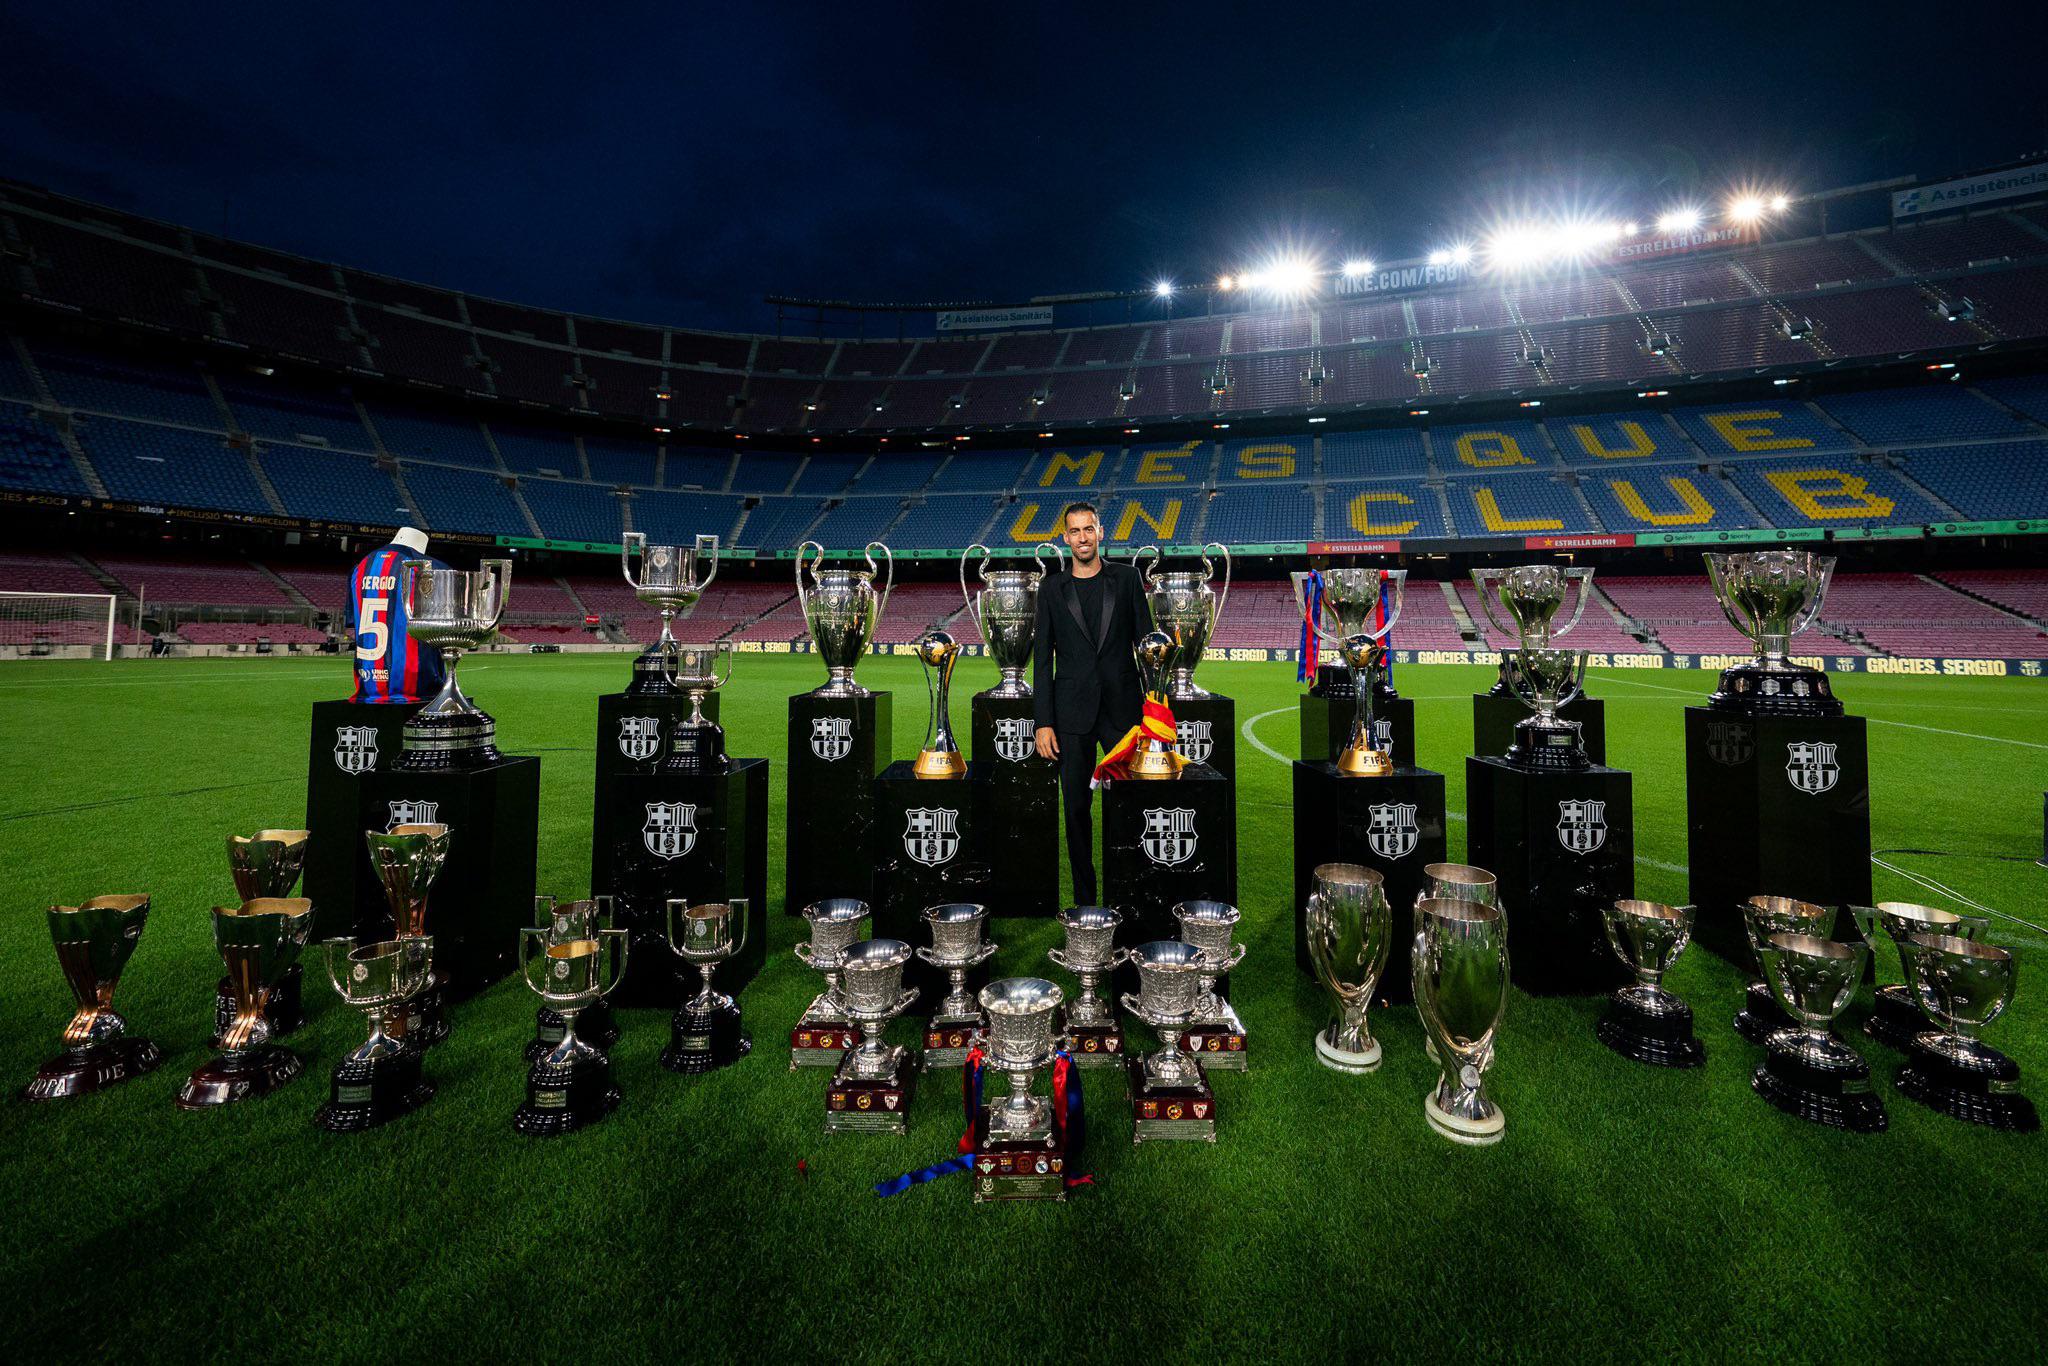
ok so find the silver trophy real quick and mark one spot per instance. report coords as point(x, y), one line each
point(1762, 917)
point(1006, 609)
point(1963, 985)
point(1808, 1071)
point(1187, 609)
point(1347, 605)
point(1091, 954)
point(1460, 968)
point(1456, 882)
point(1218, 1033)
point(870, 1091)
point(455, 611)
point(94, 941)
point(824, 1033)
point(1020, 1040)
point(381, 1079)
point(1170, 1095)
point(669, 581)
point(958, 947)
point(1645, 1021)
point(705, 1033)
point(841, 608)
point(1897, 1021)
point(1369, 752)
point(570, 1085)
point(1530, 597)
point(1771, 596)
point(1350, 932)
point(696, 744)
point(571, 922)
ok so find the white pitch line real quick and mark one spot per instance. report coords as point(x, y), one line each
point(1878, 720)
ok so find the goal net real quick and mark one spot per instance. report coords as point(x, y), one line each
point(69, 625)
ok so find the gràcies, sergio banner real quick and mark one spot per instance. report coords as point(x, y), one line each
point(1971, 190)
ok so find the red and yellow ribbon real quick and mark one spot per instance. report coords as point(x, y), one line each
point(1156, 724)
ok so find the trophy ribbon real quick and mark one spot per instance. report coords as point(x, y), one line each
point(1156, 724)
point(963, 1157)
point(1311, 634)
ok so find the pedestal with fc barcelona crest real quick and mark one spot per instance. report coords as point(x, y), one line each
point(837, 745)
point(1165, 842)
point(633, 732)
point(352, 743)
point(1020, 796)
point(1393, 824)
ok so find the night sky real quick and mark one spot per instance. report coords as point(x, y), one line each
point(673, 163)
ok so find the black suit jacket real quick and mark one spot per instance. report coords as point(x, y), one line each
point(1096, 677)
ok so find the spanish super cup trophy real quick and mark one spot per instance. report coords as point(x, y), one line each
point(407, 859)
point(1963, 985)
point(871, 1090)
point(1541, 675)
point(381, 1079)
point(1017, 1148)
point(259, 941)
point(1369, 753)
point(1217, 1033)
point(1771, 596)
point(571, 922)
point(1350, 933)
point(1170, 1095)
point(1460, 966)
point(1644, 1021)
point(1186, 607)
point(265, 864)
point(1154, 758)
point(1762, 917)
point(570, 1085)
point(841, 608)
point(825, 1032)
point(672, 578)
point(941, 756)
point(1338, 603)
point(1456, 882)
point(455, 611)
point(957, 947)
point(705, 1033)
point(1897, 1020)
point(1090, 953)
point(696, 744)
point(1006, 609)
point(1808, 1071)
point(94, 942)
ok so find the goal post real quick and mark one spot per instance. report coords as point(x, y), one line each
point(57, 624)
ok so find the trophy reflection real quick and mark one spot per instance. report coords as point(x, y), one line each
point(958, 947)
point(94, 942)
point(1350, 934)
point(1217, 1033)
point(1897, 1020)
point(870, 1093)
point(259, 941)
point(568, 922)
point(1808, 1071)
point(941, 756)
point(1170, 1095)
point(406, 860)
point(705, 1033)
point(1090, 953)
point(1460, 965)
point(381, 1079)
point(570, 1086)
point(1763, 916)
point(1771, 596)
point(1963, 985)
point(264, 865)
point(669, 581)
point(824, 1032)
point(1645, 1021)
point(841, 608)
point(1019, 1143)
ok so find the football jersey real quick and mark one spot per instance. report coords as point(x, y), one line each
point(390, 665)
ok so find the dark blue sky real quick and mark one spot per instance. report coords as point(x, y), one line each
point(673, 163)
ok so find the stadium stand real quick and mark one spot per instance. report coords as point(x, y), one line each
point(32, 455)
point(162, 579)
point(329, 485)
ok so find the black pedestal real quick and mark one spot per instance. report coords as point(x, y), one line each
point(563, 1099)
point(633, 736)
point(1207, 732)
point(1980, 1086)
point(1563, 845)
point(1837, 1094)
point(484, 895)
point(1494, 716)
point(1021, 796)
point(1394, 825)
point(1775, 806)
point(836, 747)
point(701, 837)
point(928, 848)
point(704, 1040)
point(1663, 1038)
point(1166, 842)
point(352, 743)
point(363, 1095)
point(1326, 727)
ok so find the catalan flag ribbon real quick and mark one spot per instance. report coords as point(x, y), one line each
point(1155, 724)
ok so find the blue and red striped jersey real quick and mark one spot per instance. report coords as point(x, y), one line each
point(390, 665)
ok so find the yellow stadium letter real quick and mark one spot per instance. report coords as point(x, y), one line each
point(1848, 496)
point(1162, 525)
point(1639, 442)
point(1489, 512)
point(1085, 466)
point(1746, 432)
point(1156, 467)
point(1275, 461)
point(1360, 513)
point(1024, 533)
point(1490, 450)
point(1696, 507)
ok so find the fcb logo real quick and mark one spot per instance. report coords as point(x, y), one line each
point(1390, 829)
point(355, 749)
point(671, 829)
point(1013, 738)
point(1194, 740)
point(1730, 742)
point(639, 737)
point(1811, 766)
point(1169, 838)
point(410, 813)
point(1383, 735)
point(1581, 826)
point(931, 835)
point(831, 738)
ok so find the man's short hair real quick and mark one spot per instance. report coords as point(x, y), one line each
point(1073, 508)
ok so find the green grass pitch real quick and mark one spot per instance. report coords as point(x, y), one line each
point(1631, 1213)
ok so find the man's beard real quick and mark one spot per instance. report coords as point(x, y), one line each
point(1086, 555)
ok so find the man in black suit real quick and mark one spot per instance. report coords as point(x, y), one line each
point(1089, 619)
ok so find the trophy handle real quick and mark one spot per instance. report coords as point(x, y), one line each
point(721, 650)
point(1480, 579)
point(1868, 922)
point(707, 544)
point(739, 906)
point(346, 947)
point(675, 903)
point(965, 556)
point(1119, 957)
point(633, 540)
point(889, 582)
point(1059, 557)
point(604, 910)
point(1058, 958)
point(1975, 925)
point(1825, 575)
point(1149, 571)
point(1577, 680)
point(500, 574)
point(618, 942)
point(1130, 1003)
point(544, 909)
point(1717, 579)
point(531, 937)
point(1210, 570)
point(1585, 582)
point(803, 597)
point(410, 572)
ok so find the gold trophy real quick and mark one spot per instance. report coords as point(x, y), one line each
point(941, 756)
point(407, 859)
point(265, 864)
point(94, 942)
point(260, 941)
point(1156, 758)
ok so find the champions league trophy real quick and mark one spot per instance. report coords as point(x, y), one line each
point(696, 743)
point(1187, 609)
point(824, 1033)
point(1762, 917)
point(1170, 1096)
point(1006, 609)
point(94, 942)
point(1808, 1071)
point(705, 1033)
point(1542, 677)
point(1346, 605)
point(1154, 758)
point(407, 859)
point(958, 947)
point(1963, 985)
point(1217, 1033)
point(381, 1079)
point(571, 1084)
point(871, 1090)
point(571, 922)
point(1365, 654)
point(1090, 953)
point(1771, 596)
point(1645, 1021)
point(1460, 967)
point(668, 581)
point(259, 941)
point(1350, 932)
point(841, 608)
point(455, 611)
point(1019, 1148)
point(1897, 1021)
point(941, 756)
point(266, 864)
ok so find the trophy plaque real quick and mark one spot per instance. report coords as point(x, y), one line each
point(1644, 1021)
point(455, 611)
point(94, 941)
point(1460, 971)
point(1020, 1145)
point(1808, 1072)
point(941, 756)
point(824, 1032)
point(569, 922)
point(407, 859)
point(957, 948)
point(1349, 938)
point(1963, 985)
point(570, 1086)
point(1763, 916)
point(1216, 1033)
point(672, 578)
point(266, 864)
point(705, 1033)
point(1090, 953)
point(1897, 1021)
point(260, 941)
point(870, 1093)
point(380, 1080)
point(1170, 1095)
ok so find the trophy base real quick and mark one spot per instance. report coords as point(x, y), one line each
point(947, 1039)
point(870, 1105)
point(1096, 1045)
point(1365, 763)
point(248, 1075)
point(1753, 690)
point(1896, 1022)
point(285, 1010)
point(649, 677)
point(1473, 1133)
point(1154, 765)
point(939, 763)
point(1337, 1059)
point(1009, 1169)
point(694, 750)
point(1979, 1089)
point(1556, 747)
point(435, 742)
point(561, 1100)
point(1662, 1039)
point(1839, 1097)
point(820, 1040)
point(1219, 1043)
point(95, 1067)
point(367, 1094)
point(423, 1021)
point(1761, 1016)
point(705, 1040)
point(596, 1026)
point(1177, 1113)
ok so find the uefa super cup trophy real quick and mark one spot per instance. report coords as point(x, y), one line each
point(1006, 609)
point(407, 859)
point(670, 581)
point(1808, 1071)
point(841, 608)
point(958, 947)
point(1762, 917)
point(265, 864)
point(1963, 985)
point(1541, 675)
point(1350, 933)
point(455, 611)
point(1645, 1021)
point(1187, 609)
point(571, 922)
point(1155, 757)
point(705, 1033)
point(1090, 953)
point(1460, 966)
point(697, 743)
point(941, 756)
point(381, 1079)
point(1897, 1021)
point(1217, 1034)
point(824, 1033)
point(570, 1085)
point(871, 1090)
point(1170, 1094)
point(259, 941)
point(1771, 596)
point(1456, 882)
point(94, 942)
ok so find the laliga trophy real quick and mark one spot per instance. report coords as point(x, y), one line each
point(871, 1090)
point(1460, 966)
point(1155, 758)
point(1350, 932)
point(266, 864)
point(1963, 985)
point(571, 922)
point(1090, 954)
point(1771, 596)
point(1006, 609)
point(824, 1033)
point(407, 859)
point(1337, 603)
point(1808, 1071)
point(1170, 1095)
point(1217, 1034)
point(705, 1033)
point(455, 611)
point(570, 1085)
point(841, 608)
point(697, 744)
point(94, 941)
point(958, 947)
point(668, 581)
point(1018, 1152)
point(381, 1079)
point(1543, 677)
point(1645, 1021)
point(259, 940)
point(1187, 609)
point(1897, 1021)
point(1762, 917)
point(941, 756)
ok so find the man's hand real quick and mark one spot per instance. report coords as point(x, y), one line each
point(1048, 743)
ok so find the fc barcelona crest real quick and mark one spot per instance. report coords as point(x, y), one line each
point(639, 737)
point(1811, 766)
point(671, 829)
point(1730, 743)
point(831, 737)
point(355, 749)
point(931, 835)
point(1390, 829)
point(1195, 741)
point(1169, 838)
point(411, 813)
point(1014, 740)
point(1582, 826)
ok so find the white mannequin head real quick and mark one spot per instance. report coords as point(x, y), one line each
point(412, 538)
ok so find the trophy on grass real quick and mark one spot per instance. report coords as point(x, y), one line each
point(1090, 953)
point(941, 756)
point(958, 947)
point(570, 922)
point(841, 607)
point(1645, 1021)
point(1350, 933)
point(1771, 596)
point(870, 1093)
point(1370, 751)
point(1763, 916)
point(1897, 1020)
point(260, 941)
point(1460, 965)
point(1217, 1034)
point(407, 859)
point(1456, 882)
point(1006, 609)
point(696, 744)
point(1170, 1094)
point(824, 1032)
point(265, 864)
point(670, 582)
point(1155, 757)
point(1018, 1153)
point(1808, 1071)
point(455, 611)
point(1542, 676)
point(1963, 985)
point(94, 942)
point(1340, 603)
point(570, 1085)
point(1186, 608)
point(381, 1079)
point(705, 1033)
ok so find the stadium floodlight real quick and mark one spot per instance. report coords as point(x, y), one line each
point(1461, 254)
point(1746, 209)
point(1164, 289)
point(1679, 220)
point(1356, 269)
point(1290, 276)
point(1224, 282)
point(1630, 229)
point(1780, 203)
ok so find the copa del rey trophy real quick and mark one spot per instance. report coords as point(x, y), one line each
point(671, 579)
point(455, 611)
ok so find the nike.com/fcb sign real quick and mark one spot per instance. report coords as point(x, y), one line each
point(1970, 190)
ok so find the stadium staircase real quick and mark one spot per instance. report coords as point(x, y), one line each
point(1474, 637)
point(284, 585)
point(2007, 609)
